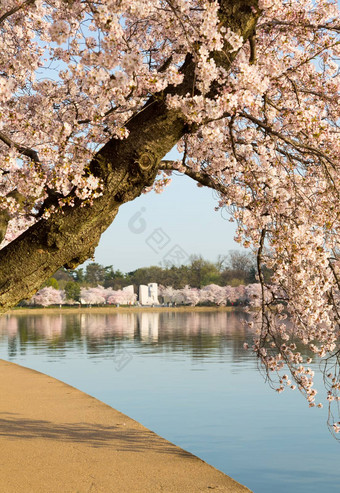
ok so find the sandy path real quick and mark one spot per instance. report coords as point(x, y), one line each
point(54, 438)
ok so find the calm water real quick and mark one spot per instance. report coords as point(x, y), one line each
point(187, 377)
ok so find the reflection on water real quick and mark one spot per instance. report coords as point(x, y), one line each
point(201, 333)
point(186, 376)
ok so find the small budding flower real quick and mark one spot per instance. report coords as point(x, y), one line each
point(336, 428)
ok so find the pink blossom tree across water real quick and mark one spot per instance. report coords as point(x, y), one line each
point(93, 94)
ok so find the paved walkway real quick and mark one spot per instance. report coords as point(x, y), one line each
point(54, 438)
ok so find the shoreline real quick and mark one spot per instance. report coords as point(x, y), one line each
point(117, 310)
point(56, 438)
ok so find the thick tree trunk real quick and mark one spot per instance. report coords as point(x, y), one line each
point(70, 236)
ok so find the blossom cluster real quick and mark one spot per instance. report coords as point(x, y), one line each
point(217, 295)
point(89, 296)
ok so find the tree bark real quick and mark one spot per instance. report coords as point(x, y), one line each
point(126, 167)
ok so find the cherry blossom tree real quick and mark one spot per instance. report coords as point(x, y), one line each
point(167, 293)
point(171, 295)
point(48, 296)
point(94, 296)
point(231, 294)
point(215, 294)
point(122, 297)
point(94, 94)
point(101, 295)
point(191, 296)
point(253, 293)
point(218, 295)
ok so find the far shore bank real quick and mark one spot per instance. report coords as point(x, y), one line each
point(116, 310)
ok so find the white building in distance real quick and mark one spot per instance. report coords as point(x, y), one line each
point(148, 295)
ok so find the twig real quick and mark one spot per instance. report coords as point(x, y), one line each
point(15, 9)
point(25, 151)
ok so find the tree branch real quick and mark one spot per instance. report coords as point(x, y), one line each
point(305, 25)
point(15, 9)
point(252, 44)
point(301, 147)
point(203, 178)
point(25, 151)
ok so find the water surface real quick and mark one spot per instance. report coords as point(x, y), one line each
point(186, 376)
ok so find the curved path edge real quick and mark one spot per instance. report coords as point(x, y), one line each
point(55, 438)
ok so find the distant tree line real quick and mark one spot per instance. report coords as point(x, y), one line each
point(234, 269)
point(211, 295)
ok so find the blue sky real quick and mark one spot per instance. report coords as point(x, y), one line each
point(170, 226)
